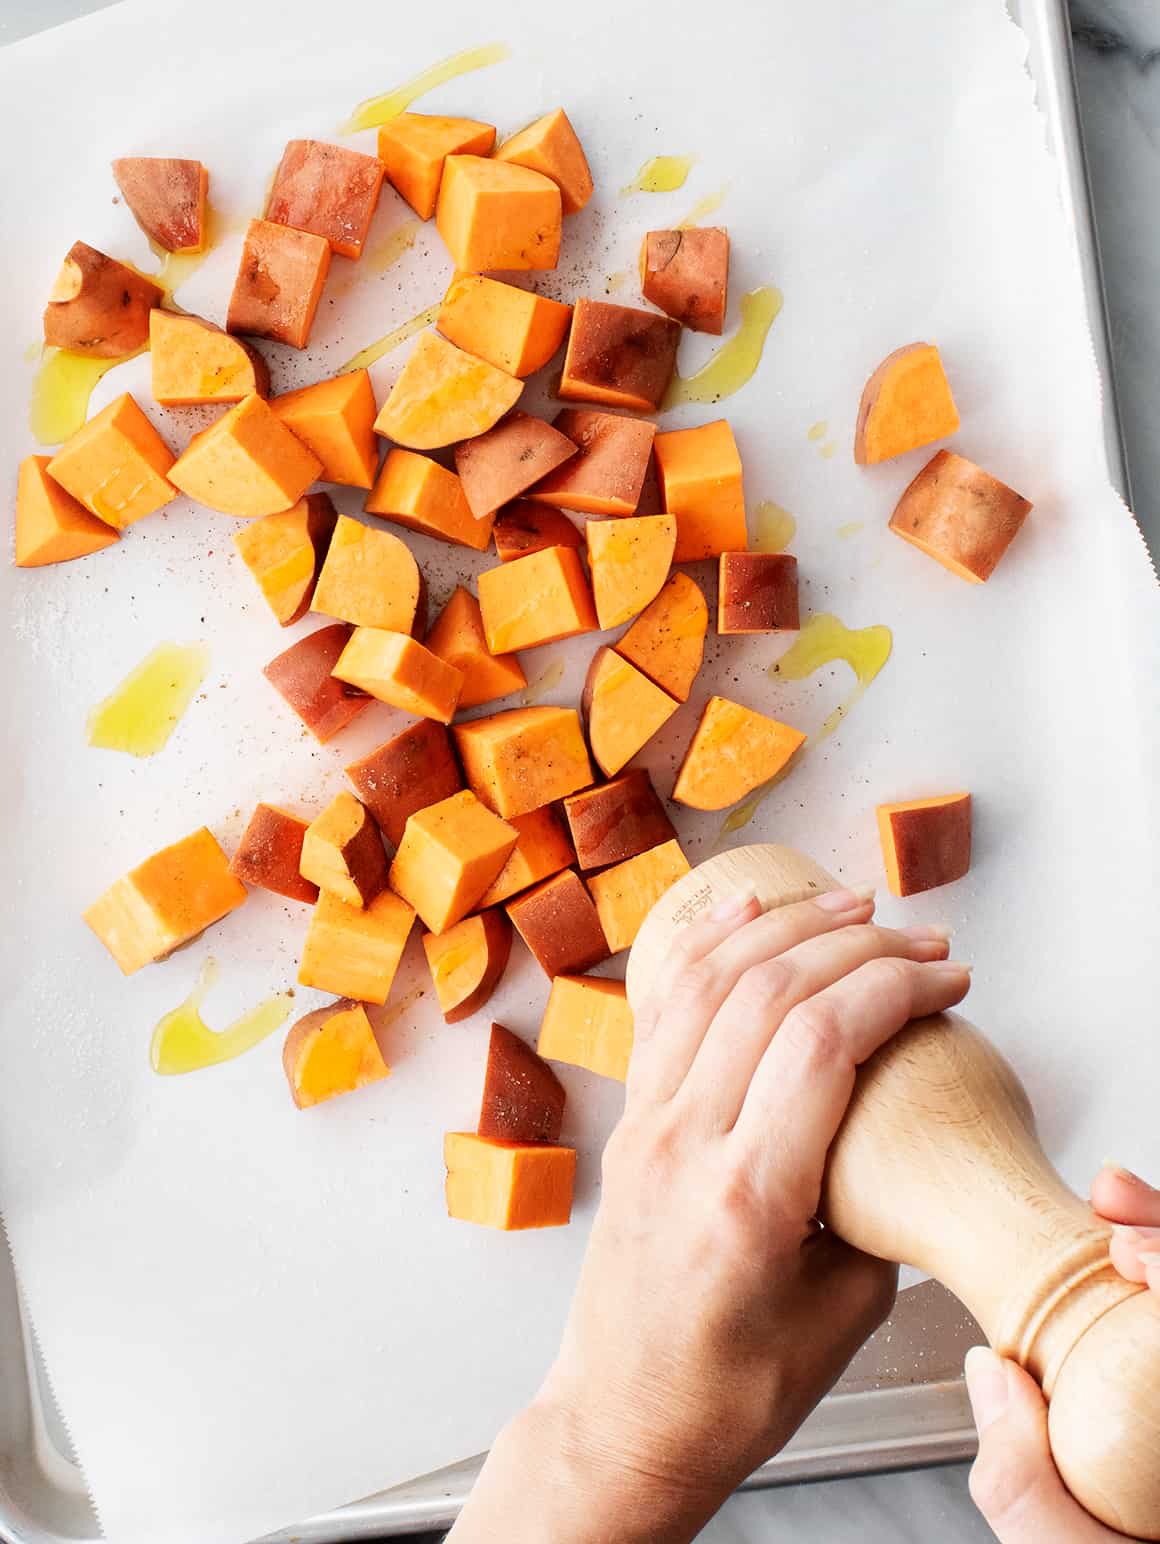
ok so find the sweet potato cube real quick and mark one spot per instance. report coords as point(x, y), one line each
point(269, 853)
point(415, 769)
point(623, 709)
point(606, 475)
point(498, 466)
point(326, 189)
point(960, 515)
point(397, 670)
point(492, 214)
point(414, 146)
point(686, 274)
point(588, 1024)
point(617, 820)
point(733, 751)
point(906, 403)
point(559, 923)
point(279, 283)
point(518, 760)
point(627, 892)
point(757, 592)
point(619, 355)
point(513, 329)
point(192, 361)
point(99, 306)
point(302, 676)
point(551, 146)
point(418, 493)
point(700, 477)
point(508, 1185)
point(116, 465)
point(449, 855)
point(524, 527)
point(457, 639)
point(523, 1099)
point(542, 849)
point(354, 951)
point(629, 561)
point(538, 599)
point(369, 578)
point(246, 464)
point(925, 842)
point(51, 526)
point(331, 1051)
point(467, 961)
point(444, 395)
point(165, 901)
point(336, 420)
point(166, 196)
point(667, 640)
point(343, 854)
point(285, 551)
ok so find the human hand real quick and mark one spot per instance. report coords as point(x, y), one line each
point(1014, 1482)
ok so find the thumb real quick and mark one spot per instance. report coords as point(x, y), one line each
point(1014, 1482)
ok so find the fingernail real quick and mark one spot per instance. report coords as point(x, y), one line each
point(845, 900)
point(732, 906)
point(1125, 1233)
point(933, 931)
point(1149, 1261)
point(987, 1386)
point(957, 967)
point(1125, 1174)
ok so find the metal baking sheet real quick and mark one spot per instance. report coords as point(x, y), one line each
point(901, 1403)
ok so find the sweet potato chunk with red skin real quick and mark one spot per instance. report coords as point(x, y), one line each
point(467, 962)
point(925, 842)
point(552, 146)
point(523, 1099)
point(301, 675)
point(667, 641)
point(757, 592)
point(415, 769)
point(607, 473)
point(269, 853)
point(960, 515)
point(331, 1051)
point(686, 274)
point(559, 923)
point(166, 196)
point(619, 355)
point(617, 820)
point(524, 527)
point(99, 306)
point(342, 852)
point(328, 190)
point(279, 283)
point(906, 403)
point(284, 552)
point(497, 466)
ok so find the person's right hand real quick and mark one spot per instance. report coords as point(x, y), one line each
point(1014, 1482)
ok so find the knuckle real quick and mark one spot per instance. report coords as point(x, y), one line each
point(694, 982)
point(766, 982)
point(1000, 1480)
point(813, 1031)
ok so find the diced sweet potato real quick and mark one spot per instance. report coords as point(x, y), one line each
point(369, 578)
point(285, 551)
point(279, 283)
point(518, 760)
point(449, 855)
point(629, 561)
point(498, 466)
point(326, 189)
point(606, 475)
point(444, 395)
point(467, 961)
point(416, 492)
point(551, 146)
point(960, 515)
point(167, 197)
point(906, 403)
point(192, 361)
point(99, 306)
point(524, 527)
point(523, 1099)
point(559, 923)
point(336, 420)
point(623, 710)
point(513, 329)
point(542, 849)
point(686, 274)
point(617, 820)
point(627, 892)
point(414, 146)
point(701, 483)
point(508, 1185)
point(619, 355)
point(165, 901)
point(733, 751)
point(355, 951)
point(415, 769)
point(492, 214)
point(538, 599)
point(269, 853)
point(925, 842)
point(667, 640)
point(588, 1023)
point(51, 526)
point(458, 639)
point(342, 852)
point(397, 670)
point(117, 465)
point(301, 674)
point(331, 1051)
point(246, 464)
point(757, 592)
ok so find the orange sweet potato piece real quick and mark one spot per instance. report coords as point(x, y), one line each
point(397, 670)
point(336, 420)
point(701, 483)
point(369, 578)
point(686, 274)
point(285, 551)
point(508, 1185)
point(925, 842)
point(629, 561)
point(551, 146)
point(116, 465)
point(492, 214)
point(331, 1051)
point(960, 515)
point(617, 820)
point(166, 196)
point(538, 599)
point(559, 923)
point(588, 1023)
point(246, 464)
point(326, 189)
point(269, 853)
point(355, 951)
point(279, 283)
point(51, 526)
point(733, 751)
point(449, 855)
point(444, 395)
point(623, 709)
point(542, 849)
point(416, 492)
point(467, 961)
point(165, 901)
point(757, 592)
point(906, 403)
point(457, 638)
point(667, 640)
point(606, 475)
point(301, 675)
point(627, 892)
point(619, 355)
point(513, 329)
point(518, 760)
point(414, 146)
point(523, 1099)
point(498, 466)
point(99, 306)
point(524, 527)
point(407, 773)
point(192, 361)
point(342, 852)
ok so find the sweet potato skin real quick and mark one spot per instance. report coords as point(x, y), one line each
point(415, 769)
point(279, 283)
point(524, 527)
point(99, 306)
point(617, 820)
point(499, 465)
point(329, 190)
point(559, 923)
point(606, 475)
point(686, 274)
point(960, 515)
point(925, 842)
point(166, 196)
point(301, 675)
point(269, 853)
point(619, 355)
point(523, 1099)
point(757, 592)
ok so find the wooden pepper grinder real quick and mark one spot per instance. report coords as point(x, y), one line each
point(937, 1165)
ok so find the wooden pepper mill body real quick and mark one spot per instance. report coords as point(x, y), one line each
point(937, 1165)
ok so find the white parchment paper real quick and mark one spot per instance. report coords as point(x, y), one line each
point(250, 1314)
